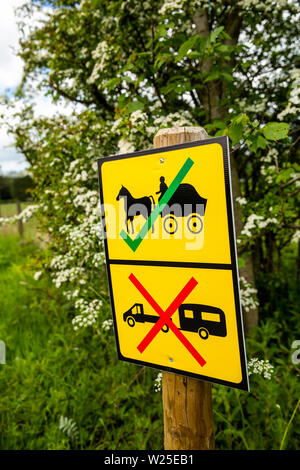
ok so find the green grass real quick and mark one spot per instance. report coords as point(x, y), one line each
point(51, 372)
point(9, 209)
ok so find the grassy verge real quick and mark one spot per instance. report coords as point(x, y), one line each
point(66, 390)
point(61, 390)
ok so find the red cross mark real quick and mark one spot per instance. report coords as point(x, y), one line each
point(165, 317)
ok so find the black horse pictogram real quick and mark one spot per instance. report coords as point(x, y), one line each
point(135, 206)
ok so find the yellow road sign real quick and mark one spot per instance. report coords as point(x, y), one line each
point(171, 260)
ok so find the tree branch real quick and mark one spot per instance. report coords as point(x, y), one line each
point(65, 94)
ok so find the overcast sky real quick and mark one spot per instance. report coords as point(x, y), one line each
point(10, 77)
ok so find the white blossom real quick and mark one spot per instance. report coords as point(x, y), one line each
point(170, 5)
point(88, 313)
point(101, 55)
point(271, 155)
point(174, 120)
point(158, 382)
point(125, 146)
point(255, 222)
point(241, 200)
point(296, 237)
point(37, 275)
point(107, 324)
point(292, 107)
point(138, 117)
point(260, 367)
point(248, 295)
point(266, 5)
point(69, 275)
point(24, 216)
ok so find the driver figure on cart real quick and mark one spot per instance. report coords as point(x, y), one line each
point(162, 188)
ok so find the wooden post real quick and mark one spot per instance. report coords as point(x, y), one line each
point(187, 402)
point(20, 222)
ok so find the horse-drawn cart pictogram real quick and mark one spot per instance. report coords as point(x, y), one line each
point(185, 203)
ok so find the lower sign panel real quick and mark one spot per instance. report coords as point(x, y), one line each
point(183, 320)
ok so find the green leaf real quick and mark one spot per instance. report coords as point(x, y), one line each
point(215, 33)
point(227, 77)
point(134, 106)
point(110, 84)
point(218, 124)
point(222, 132)
point(236, 128)
point(161, 60)
point(213, 76)
point(261, 142)
point(186, 46)
point(276, 130)
point(240, 119)
point(162, 31)
point(236, 133)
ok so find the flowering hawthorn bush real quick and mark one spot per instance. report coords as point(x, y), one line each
point(130, 68)
point(126, 69)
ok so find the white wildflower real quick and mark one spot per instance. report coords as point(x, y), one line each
point(255, 222)
point(292, 107)
point(174, 120)
point(260, 367)
point(296, 237)
point(125, 146)
point(107, 324)
point(158, 382)
point(138, 117)
point(265, 6)
point(24, 216)
point(116, 125)
point(241, 200)
point(88, 313)
point(101, 56)
point(248, 295)
point(37, 275)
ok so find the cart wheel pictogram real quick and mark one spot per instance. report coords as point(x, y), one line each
point(203, 333)
point(131, 321)
point(170, 224)
point(165, 329)
point(195, 224)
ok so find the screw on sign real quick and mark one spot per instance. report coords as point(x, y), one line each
point(169, 234)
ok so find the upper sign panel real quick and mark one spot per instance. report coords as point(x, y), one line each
point(168, 204)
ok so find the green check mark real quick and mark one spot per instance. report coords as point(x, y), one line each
point(135, 243)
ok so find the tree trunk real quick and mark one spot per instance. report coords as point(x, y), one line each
point(211, 99)
point(250, 317)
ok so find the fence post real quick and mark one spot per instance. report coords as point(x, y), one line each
point(20, 222)
point(187, 402)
